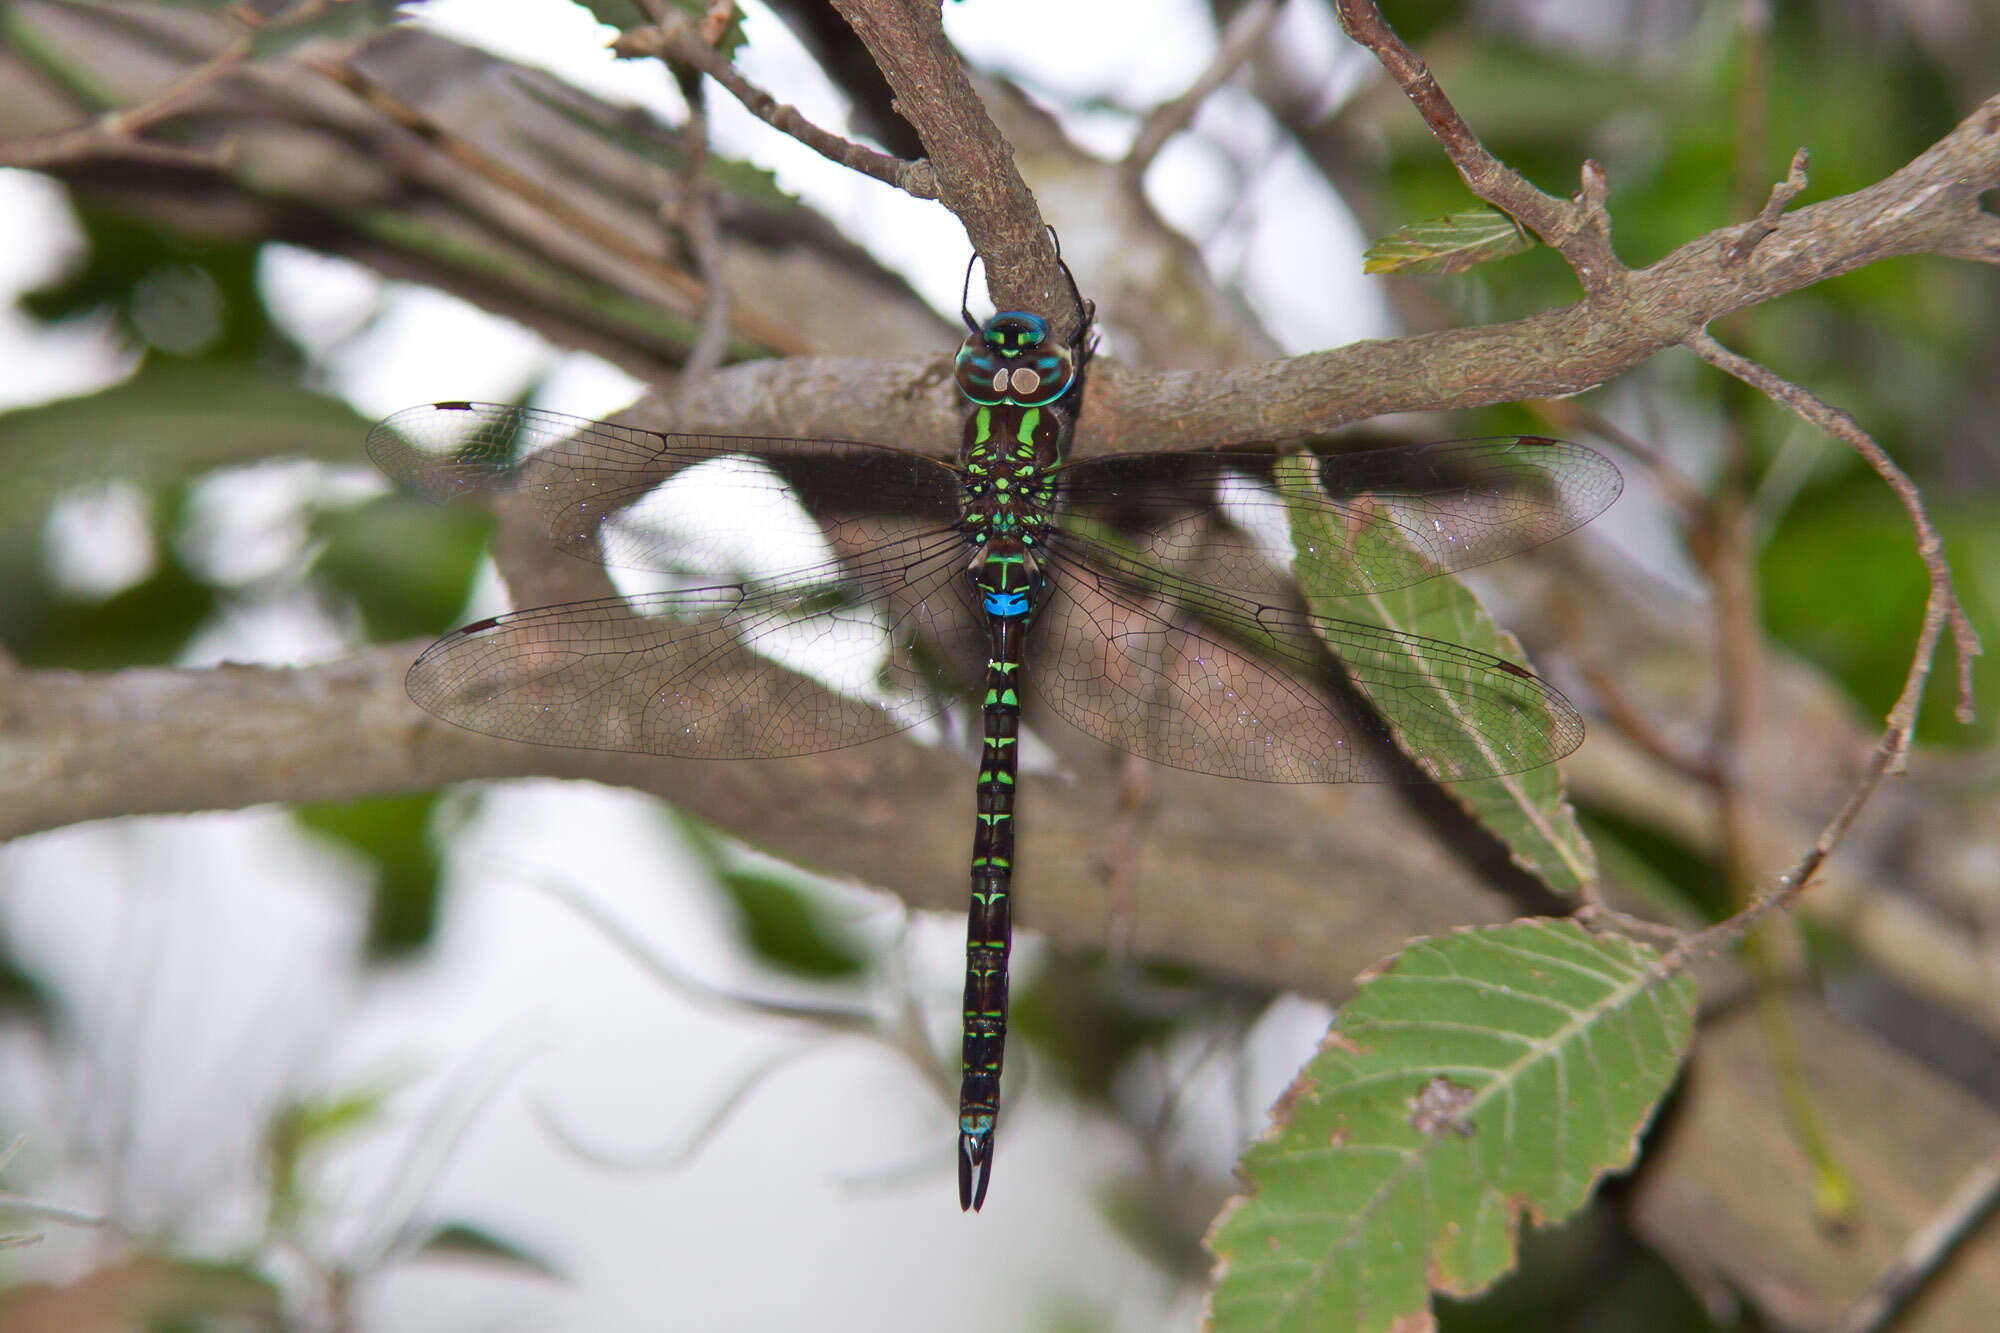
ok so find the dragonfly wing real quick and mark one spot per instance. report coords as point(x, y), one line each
point(1194, 677)
point(1442, 506)
point(829, 657)
point(617, 495)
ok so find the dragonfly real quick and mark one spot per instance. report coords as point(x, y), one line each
point(1147, 599)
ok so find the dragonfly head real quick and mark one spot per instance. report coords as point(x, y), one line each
point(1010, 360)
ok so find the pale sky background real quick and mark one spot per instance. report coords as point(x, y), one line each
point(208, 960)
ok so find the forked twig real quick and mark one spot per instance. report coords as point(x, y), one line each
point(677, 40)
point(1579, 230)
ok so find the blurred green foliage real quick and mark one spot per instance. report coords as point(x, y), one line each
point(187, 297)
point(779, 917)
point(406, 566)
point(146, 624)
point(1907, 346)
point(1091, 1014)
point(391, 832)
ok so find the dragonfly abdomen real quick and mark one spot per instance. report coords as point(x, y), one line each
point(989, 922)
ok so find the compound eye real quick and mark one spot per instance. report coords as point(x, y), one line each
point(1024, 381)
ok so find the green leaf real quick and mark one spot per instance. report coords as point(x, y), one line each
point(1840, 583)
point(1478, 1075)
point(620, 14)
point(171, 422)
point(628, 15)
point(408, 566)
point(1529, 812)
point(1450, 244)
point(778, 917)
point(298, 1130)
point(147, 624)
point(786, 927)
point(460, 1240)
point(391, 831)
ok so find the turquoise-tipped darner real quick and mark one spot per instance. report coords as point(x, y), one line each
point(1143, 598)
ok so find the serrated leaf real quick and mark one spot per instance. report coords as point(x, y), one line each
point(619, 14)
point(1528, 811)
point(1448, 244)
point(1483, 1074)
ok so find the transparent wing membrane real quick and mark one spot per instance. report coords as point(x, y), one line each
point(1453, 504)
point(582, 476)
point(1194, 677)
point(825, 658)
point(1171, 628)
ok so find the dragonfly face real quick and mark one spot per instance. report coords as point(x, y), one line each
point(1010, 360)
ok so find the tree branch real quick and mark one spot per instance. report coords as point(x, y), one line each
point(1580, 231)
point(1253, 879)
point(1930, 206)
point(976, 177)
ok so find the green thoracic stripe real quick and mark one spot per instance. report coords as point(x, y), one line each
point(1029, 420)
point(984, 430)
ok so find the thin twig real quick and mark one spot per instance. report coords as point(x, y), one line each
point(1579, 231)
point(1569, 414)
point(977, 177)
point(693, 216)
point(677, 40)
point(669, 1156)
point(1781, 198)
point(547, 206)
point(1727, 554)
point(1943, 606)
point(115, 134)
point(1608, 693)
point(1941, 609)
point(1246, 31)
point(1927, 1250)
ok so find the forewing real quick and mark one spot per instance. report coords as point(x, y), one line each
point(599, 487)
point(1194, 677)
point(827, 657)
